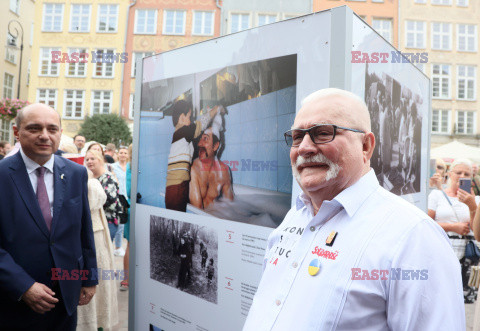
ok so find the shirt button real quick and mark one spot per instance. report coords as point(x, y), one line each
point(278, 302)
point(294, 264)
point(312, 228)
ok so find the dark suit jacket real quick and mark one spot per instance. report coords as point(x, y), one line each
point(28, 251)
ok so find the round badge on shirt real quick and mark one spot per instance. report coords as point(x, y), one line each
point(314, 267)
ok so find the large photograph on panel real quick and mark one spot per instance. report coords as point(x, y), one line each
point(218, 146)
point(397, 96)
point(397, 125)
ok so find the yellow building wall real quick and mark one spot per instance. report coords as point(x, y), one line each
point(455, 15)
point(91, 40)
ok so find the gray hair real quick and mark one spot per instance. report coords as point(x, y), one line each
point(466, 162)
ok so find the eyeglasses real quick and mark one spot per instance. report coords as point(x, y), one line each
point(320, 134)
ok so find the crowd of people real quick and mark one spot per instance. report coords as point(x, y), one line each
point(97, 232)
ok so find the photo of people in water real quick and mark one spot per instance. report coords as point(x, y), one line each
point(211, 143)
point(185, 256)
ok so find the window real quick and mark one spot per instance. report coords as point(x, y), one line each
point(15, 6)
point(145, 21)
point(136, 56)
point(73, 104)
point(104, 63)
point(266, 19)
point(174, 22)
point(80, 18)
point(467, 37)
point(377, 1)
point(10, 54)
point(465, 122)
point(415, 34)
point(47, 97)
point(440, 121)
point(5, 130)
point(420, 1)
point(77, 67)
point(131, 107)
point(47, 67)
point(239, 22)
point(203, 23)
point(441, 81)
point(383, 27)
point(462, 3)
point(442, 2)
point(107, 18)
point(101, 102)
point(8, 86)
point(466, 82)
point(441, 36)
point(52, 17)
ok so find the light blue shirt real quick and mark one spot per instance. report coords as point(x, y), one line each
point(376, 231)
point(122, 178)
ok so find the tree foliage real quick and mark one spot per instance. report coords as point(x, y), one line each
point(106, 128)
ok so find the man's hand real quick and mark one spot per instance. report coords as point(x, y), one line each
point(86, 294)
point(462, 228)
point(40, 298)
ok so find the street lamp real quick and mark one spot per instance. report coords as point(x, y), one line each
point(12, 43)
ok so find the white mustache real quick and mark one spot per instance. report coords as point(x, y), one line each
point(333, 168)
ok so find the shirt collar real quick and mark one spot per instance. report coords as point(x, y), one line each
point(32, 165)
point(351, 198)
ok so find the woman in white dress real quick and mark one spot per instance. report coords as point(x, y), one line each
point(454, 210)
point(102, 311)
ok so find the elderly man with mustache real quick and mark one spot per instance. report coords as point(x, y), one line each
point(349, 255)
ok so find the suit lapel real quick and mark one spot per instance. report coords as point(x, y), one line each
point(59, 184)
point(25, 190)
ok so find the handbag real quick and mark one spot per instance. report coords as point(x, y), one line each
point(472, 252)
point(123, 214)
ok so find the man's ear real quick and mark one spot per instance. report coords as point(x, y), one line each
point(15, 131)
point(216, 146)
point(368, 146)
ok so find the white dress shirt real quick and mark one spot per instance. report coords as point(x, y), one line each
point(48, 176)
point(376, 230)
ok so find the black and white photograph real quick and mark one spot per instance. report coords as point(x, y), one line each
point(184, 256)
point(397, 125)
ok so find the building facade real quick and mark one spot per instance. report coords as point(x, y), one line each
point(242, 15)
point(448, 31)
point(382, 15)
point(163, 25)
point(78, 58)
point(18, 18)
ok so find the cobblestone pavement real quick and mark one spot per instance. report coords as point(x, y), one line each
point(469, 314)
point(122, 297)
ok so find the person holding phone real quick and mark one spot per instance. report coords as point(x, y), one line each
point(454, 210)
point(437, 180)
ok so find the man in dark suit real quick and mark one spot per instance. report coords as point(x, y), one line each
point(47, 249)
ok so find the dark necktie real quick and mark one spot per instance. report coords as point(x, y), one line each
point(42, 197)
